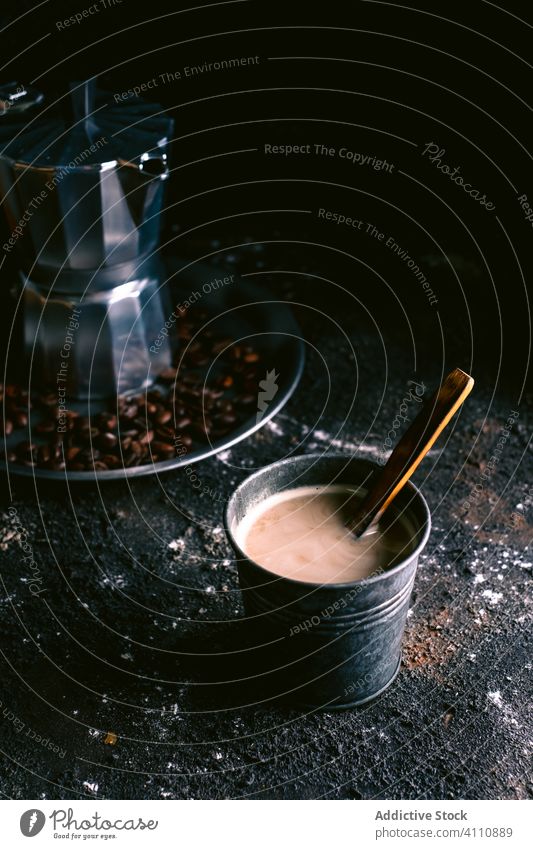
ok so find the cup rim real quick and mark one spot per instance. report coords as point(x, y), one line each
point(386, 573)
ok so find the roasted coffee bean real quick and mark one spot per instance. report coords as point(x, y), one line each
point(191, 379)
point(111, 461)
point(131, 459)
point(87, 455)
point(193, 392)
point(90, 434)
point(224, 406)
point(200, 430)
point(100, 466)
point(199, 360)
point(245, 400)
point(54, 465)
point(166, 434)
point(163, 417)
point(163, 449)
point(168, 375)
point(131, 432)
point(49, 400)
point(129, 412)
point(43, 454)
point(56, 449)
point(107, 421)
point(25, 449)
point(227, 419)
point(148, 426)
point(221, 346)
point(46, 426)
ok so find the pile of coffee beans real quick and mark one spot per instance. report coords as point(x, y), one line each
point(180, 413)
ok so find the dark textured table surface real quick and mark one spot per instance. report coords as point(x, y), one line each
point(112, 678)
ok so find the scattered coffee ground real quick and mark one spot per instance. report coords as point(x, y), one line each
point(152, 426)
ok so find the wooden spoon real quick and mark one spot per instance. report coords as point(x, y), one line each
point(410, 450)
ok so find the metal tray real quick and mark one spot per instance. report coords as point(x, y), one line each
point(239, 309)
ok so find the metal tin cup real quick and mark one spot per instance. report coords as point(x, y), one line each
point(328, 645)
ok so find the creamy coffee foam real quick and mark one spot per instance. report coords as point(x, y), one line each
point(301, 533)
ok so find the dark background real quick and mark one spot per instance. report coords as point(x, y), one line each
point(122, 662)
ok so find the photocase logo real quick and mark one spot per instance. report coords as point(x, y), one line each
point(268, 387)
point(32, 822)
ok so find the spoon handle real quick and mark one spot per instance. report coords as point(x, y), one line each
point(410, 450)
